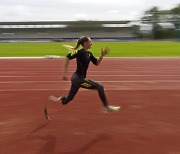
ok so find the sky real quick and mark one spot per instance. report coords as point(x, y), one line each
point(70, 10)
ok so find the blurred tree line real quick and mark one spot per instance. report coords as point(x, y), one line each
point(159, 19)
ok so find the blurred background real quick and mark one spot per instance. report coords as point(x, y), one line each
point(102, 20)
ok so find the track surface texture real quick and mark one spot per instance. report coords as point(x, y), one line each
point(147, 89)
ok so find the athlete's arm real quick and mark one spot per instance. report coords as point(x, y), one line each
point(69, 56)
point(66, 64)
point(103, 53)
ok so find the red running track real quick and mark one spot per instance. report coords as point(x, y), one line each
point(147, 89)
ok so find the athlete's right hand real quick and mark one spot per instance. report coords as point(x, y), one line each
point(104, 51)
point(64, 77)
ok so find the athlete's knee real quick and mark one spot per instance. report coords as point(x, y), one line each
point(100, 87)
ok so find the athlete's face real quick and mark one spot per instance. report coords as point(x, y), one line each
point(88, 44)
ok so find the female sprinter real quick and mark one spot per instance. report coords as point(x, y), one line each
point(83, 58)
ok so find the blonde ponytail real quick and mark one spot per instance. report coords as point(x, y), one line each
point(68, 47)
point(80, 41)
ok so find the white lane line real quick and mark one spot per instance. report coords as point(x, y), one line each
point(28, 76)
point(106, 89)
point(60, 70)
point(123, 81)
point(16, 90)
point(37, 57)
point(134, 75)
point(101, 75)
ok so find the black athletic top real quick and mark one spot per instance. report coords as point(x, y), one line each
point(83, 59)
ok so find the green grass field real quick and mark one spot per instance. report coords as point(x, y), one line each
point(118, 49)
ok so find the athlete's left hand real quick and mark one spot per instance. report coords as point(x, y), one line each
point(104, 51)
